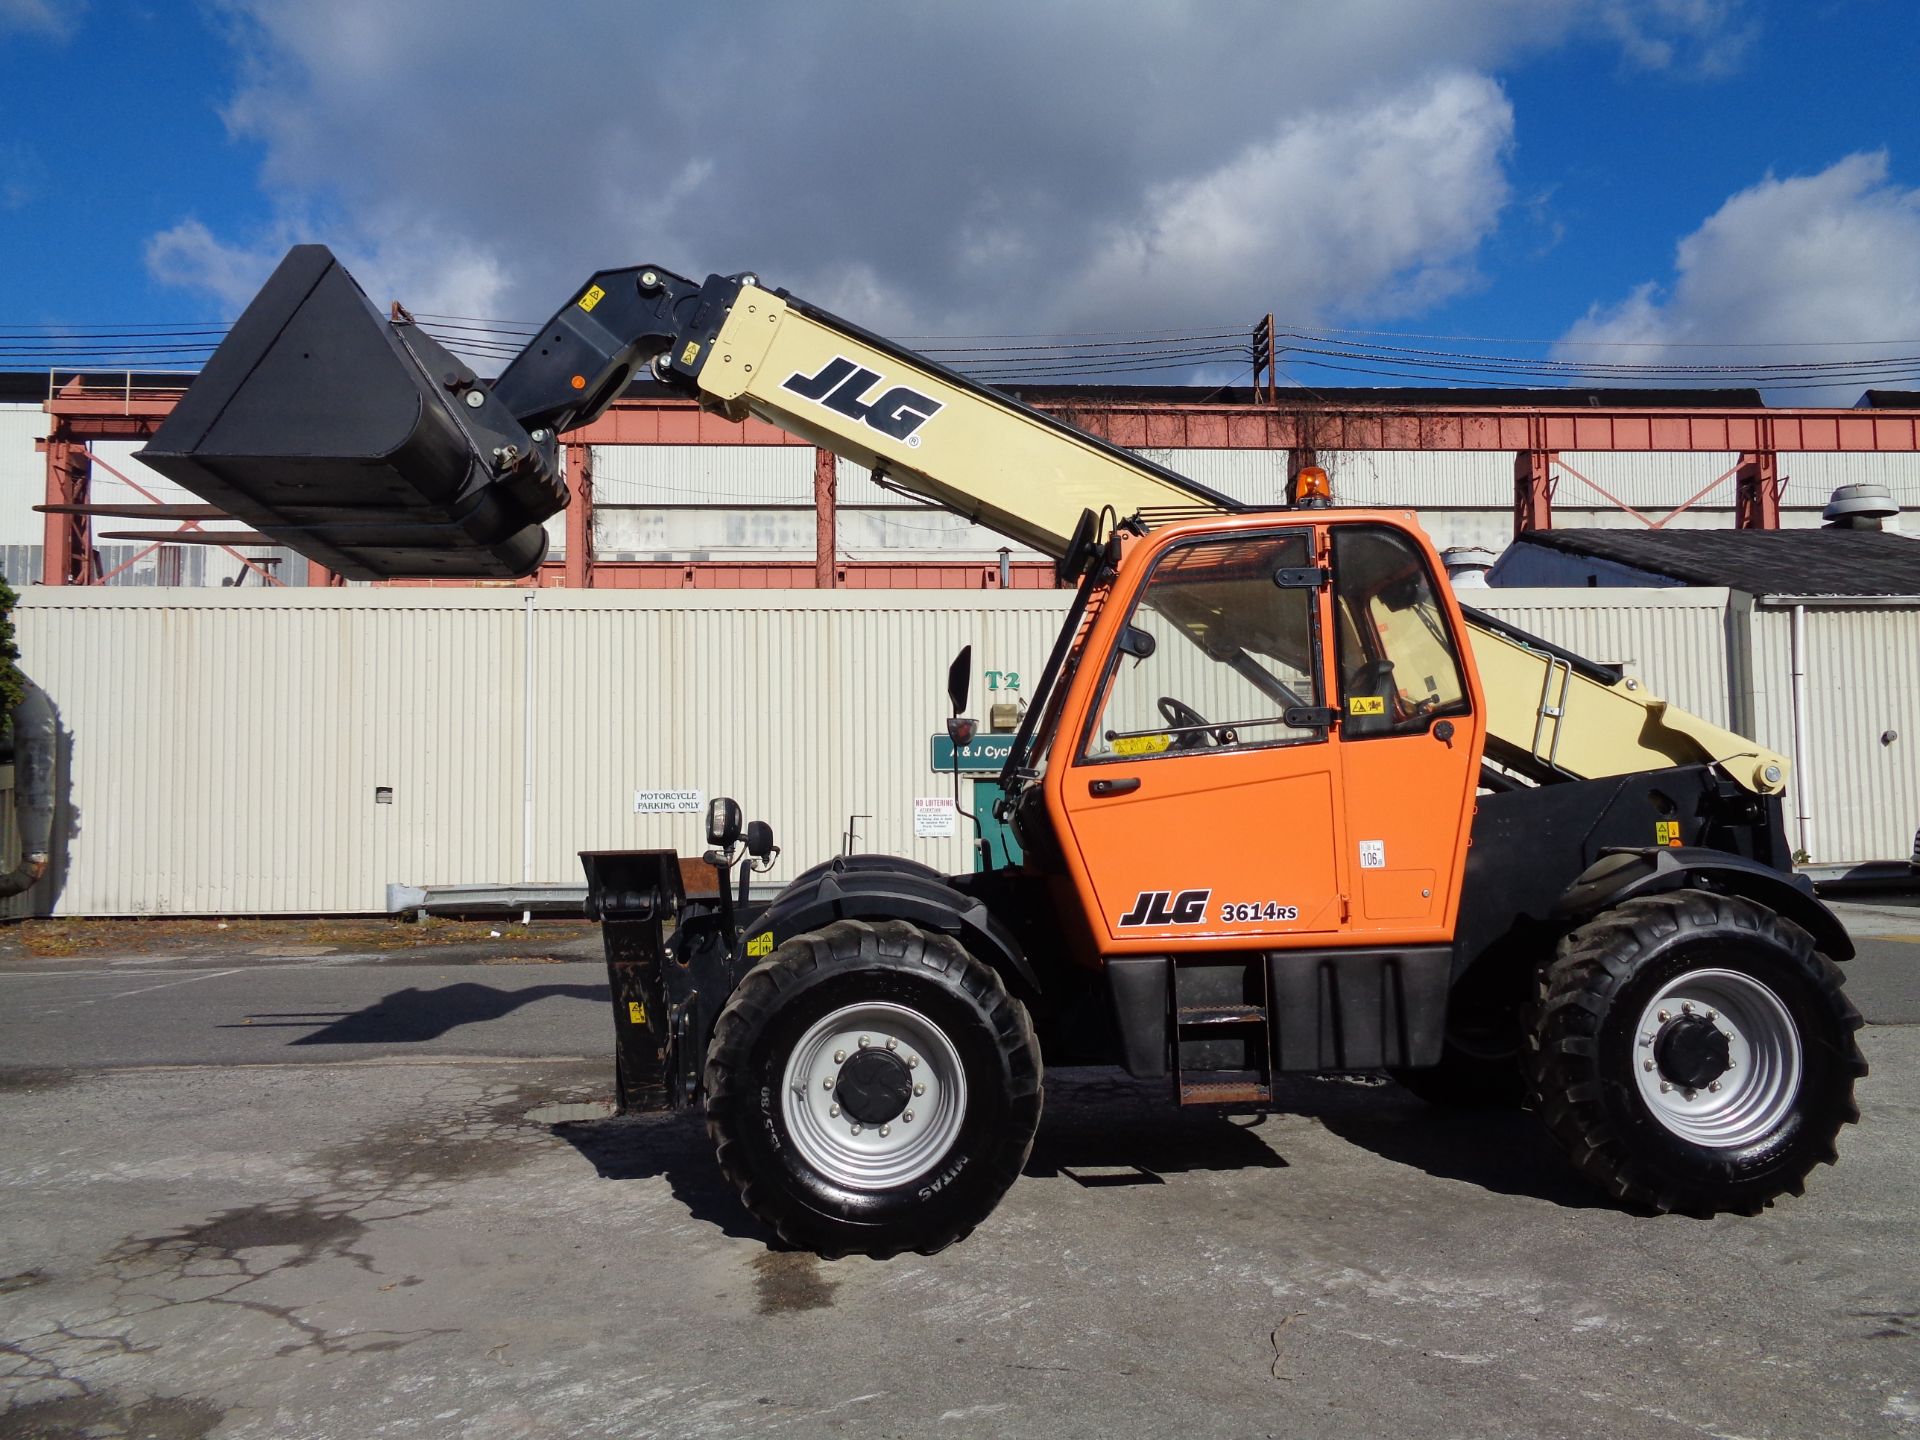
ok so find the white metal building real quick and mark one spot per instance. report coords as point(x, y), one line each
point(283, 751)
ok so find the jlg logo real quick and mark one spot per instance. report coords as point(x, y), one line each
point(1163, 907)
point(898, 411)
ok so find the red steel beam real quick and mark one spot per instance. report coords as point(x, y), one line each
point(826, 516)
point(579, 514)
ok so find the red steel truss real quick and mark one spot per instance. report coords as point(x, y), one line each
point(82, 412)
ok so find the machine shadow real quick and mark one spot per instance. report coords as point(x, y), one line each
point(1102, 1128)
point(1507, 1152)
point(671, 1146)
point(413, 1015)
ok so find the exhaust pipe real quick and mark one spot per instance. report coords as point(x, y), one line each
point(35, 734)
point(358, 441)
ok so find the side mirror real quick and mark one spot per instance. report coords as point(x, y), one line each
point(723, 822)
point(1135, 642)
point(960, 678)
point(760, 840)
point(1081, 548)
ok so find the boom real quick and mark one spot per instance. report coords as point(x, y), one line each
point(741, 349)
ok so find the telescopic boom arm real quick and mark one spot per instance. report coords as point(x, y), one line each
point(361, 441)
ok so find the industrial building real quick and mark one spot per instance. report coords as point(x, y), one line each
point(256, 737)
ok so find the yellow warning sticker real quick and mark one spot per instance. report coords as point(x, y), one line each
point(691, 353)
point(1142, 744)
point(1666, 832)
point(760, 945)
point(1366, 705)
point(592, 298)
point(636, 1012)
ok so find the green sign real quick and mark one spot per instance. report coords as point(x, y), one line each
point(982, 753)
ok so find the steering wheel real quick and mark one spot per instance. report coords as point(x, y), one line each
point(1182, 716)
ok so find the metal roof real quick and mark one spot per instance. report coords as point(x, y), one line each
point(1760, 562)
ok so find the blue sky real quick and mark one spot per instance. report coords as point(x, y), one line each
point(1502, 169)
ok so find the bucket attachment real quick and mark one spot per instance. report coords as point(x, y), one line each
point(359, 441)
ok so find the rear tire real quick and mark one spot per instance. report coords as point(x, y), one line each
point(1693, 1052)
point(815, 1071)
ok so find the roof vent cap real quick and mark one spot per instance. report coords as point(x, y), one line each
point(1860, 507)
point(1467, 566)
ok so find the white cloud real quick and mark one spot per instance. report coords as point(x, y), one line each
point(1711, 37)
point(999, 166)
point(1370, 207)
point(52, 19)
point(1798, 263)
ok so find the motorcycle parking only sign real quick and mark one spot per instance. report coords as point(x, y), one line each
point(668, 802)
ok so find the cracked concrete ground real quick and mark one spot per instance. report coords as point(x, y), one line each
point(368, 1213)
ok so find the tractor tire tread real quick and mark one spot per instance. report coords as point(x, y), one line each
point(850, 944)
point(1575, 990)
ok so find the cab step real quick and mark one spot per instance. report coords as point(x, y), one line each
point(1221, 1015)
point(1226, 1089)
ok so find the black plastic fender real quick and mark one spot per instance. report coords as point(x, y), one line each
point(1627, 874)
point(868, 887)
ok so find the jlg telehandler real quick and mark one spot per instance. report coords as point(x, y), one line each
point(1285, 804)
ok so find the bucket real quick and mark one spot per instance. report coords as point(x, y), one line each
point(359, 441)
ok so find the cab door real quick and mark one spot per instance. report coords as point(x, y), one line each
point(1200, 794)
point(1408, 735)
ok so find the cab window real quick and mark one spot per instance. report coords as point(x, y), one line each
point(1399, 666)
point(1220, 647)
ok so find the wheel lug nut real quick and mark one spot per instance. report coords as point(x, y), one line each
point(913, 1062)
point(839, 1057)
point(1665, 1087)
point(885, 1130)
point(1713, 1086)
point(920, 1089)
point(827, 1084)
point(865, 1041)
point(856, 1128)
point(1664, 1016)
point(1713, 1014)
point(892, 1044)
point(835, 1109)
point(1686, 1094)
point(1647, 1064)
point(907, 1119)
point(1686, 1007)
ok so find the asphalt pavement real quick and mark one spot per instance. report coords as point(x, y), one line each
point(330, 1194)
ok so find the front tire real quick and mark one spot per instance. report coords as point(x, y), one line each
point(872, 1088)
point(1693, 1052)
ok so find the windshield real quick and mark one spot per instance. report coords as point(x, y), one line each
point(1218, 653)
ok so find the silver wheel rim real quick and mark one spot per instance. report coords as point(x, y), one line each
point(874, 1157)
point(1758, 1089)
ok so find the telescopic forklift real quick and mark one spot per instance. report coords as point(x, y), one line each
point(1285, 805)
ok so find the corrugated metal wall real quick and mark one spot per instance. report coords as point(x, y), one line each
point(224, 748)
point(1675, 641)
point(1863, 683)
point(23, 478)
point(221, 749)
